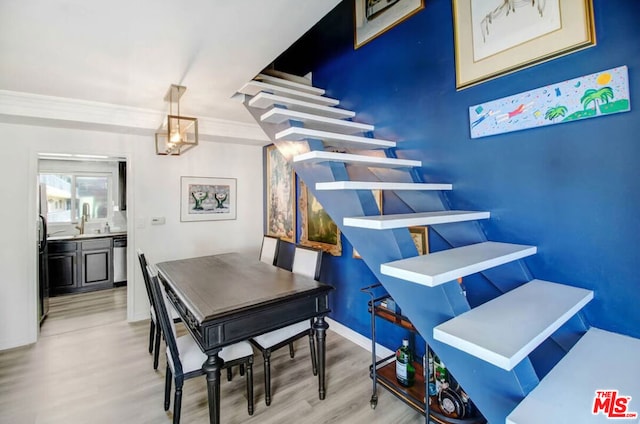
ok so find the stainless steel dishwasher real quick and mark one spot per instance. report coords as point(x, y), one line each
point(119, 259)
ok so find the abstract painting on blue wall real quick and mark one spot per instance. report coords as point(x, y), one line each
point(590, 96)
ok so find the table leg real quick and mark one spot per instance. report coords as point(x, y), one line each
point(211, 368)
point(320, 326)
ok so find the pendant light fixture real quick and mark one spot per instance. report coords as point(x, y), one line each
point(177, 133)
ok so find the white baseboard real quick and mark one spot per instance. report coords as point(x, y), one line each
point(357, 338)
point(139, 317)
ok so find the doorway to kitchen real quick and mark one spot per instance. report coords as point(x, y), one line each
point(82, 234)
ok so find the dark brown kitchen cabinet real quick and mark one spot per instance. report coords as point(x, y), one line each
point(79, 266)
point(63, 267)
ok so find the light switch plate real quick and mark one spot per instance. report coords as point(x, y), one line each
point(157, 220)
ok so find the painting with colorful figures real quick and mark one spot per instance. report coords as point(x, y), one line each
point(590, 96)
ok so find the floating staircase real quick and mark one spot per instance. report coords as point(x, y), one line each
point(267, 100)
point(278, 116)
point(508, 328)
point(379, 185)
point(333, 139)
point(387, 222)
point(566, 395)
point(501, 350)
point(293, 91)
point(318, 156)
point(448, 265)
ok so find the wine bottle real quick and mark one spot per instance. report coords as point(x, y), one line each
point(431, 377)
point(440, 374)
point(405, 371)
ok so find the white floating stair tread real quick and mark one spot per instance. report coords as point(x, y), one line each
point(566, 394)
point(447, 265)
point(320, 156)
point(290, 84)
point(254, 87)
point(388, 222)
point(506, 329)
point(334, 139)
point(380, 185)
point(278, 116)
point(266, 100)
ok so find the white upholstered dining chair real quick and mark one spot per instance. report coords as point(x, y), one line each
point(269, 249)
point(185, 358)
point(306, 261)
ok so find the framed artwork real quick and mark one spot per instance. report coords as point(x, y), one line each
point(496, 37)
point(317, 228)
point(207, 199)
point(377, 195)
point(420, 236)
point(590, 96)
point(281, 195)
point(373, 17)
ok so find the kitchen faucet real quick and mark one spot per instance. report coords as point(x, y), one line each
point(84, 219)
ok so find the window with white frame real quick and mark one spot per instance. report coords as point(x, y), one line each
point(68, 193)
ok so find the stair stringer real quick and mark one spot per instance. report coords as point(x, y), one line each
point(494, 391)
point(441, 303)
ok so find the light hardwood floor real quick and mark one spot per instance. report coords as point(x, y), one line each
point(91, 366)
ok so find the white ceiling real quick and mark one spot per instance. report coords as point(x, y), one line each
point(128, 52)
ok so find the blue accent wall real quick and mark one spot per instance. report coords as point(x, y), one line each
point(572, 189)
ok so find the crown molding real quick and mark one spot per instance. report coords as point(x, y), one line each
point(36, 109)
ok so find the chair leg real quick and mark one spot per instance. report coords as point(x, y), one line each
point(177, 403)
point(167, 388)
point(152, 331)
point(229, 373)
point(292, 353)
point(156, 353)
point(267, 376)
point(241, 368)
point(249, 374)
point(314, 354)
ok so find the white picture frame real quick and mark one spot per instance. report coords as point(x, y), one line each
point(207, 199)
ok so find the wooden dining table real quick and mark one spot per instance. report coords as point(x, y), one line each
point(227, 298)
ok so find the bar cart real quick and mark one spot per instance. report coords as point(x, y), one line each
point(446, 404)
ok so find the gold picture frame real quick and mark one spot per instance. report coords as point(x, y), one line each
point(281, 196)
point(493, 39)
point(420, 236)
point(377, 195)
point(317, 229)
point(374, 17)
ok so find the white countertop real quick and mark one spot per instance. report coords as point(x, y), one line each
point(87, 236)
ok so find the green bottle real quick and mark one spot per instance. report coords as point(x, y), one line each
point(405, 371)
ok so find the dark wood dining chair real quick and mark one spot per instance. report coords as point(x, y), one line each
point(155, 333)
point(185, 358)
point(306, 261)
point(269, 249)
point(154, 328)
